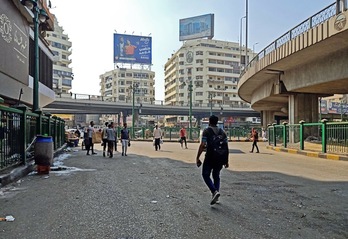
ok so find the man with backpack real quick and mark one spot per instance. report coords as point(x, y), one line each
point(216, 156)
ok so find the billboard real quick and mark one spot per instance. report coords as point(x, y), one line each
point(132, 49)
point(196, 27)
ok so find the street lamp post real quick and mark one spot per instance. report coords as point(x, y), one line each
point(39, 16)
point(240, 40)
point(254, 46)
point(133, 87)
point(190, 113)
point(246, 33)
point(211, 95)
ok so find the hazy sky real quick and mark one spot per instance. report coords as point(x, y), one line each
point(91, 25)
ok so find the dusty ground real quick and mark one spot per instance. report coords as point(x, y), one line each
point(160, 194)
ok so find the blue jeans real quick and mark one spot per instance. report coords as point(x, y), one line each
point(214, 169)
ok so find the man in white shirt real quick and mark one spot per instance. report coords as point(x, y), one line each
point(157, 135)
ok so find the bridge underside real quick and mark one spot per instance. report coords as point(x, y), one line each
point(288, 82)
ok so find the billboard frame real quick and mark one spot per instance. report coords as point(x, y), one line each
point(196, 27)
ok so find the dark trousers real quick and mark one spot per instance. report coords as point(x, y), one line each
point(157, 144)
point(255, 145)
point(183, 140)
point(105, 142)
point(214, 169)
point(110, 147)
point(90, 145)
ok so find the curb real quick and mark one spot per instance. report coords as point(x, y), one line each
point(310, 153)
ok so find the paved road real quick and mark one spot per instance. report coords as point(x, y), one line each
point(160, 194)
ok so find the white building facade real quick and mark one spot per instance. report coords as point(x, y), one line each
point(61, 47)
point(211, 67)
point(118, 85)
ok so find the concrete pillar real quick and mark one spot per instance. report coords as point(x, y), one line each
point(303, 107)
point(267, 117)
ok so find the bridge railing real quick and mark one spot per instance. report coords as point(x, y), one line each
point(152, 102)
point(304, 26)
point(325, 137)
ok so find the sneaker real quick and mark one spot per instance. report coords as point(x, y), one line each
point(94, 153)
point(103, 154)
point(122, 153)
point(215, 198)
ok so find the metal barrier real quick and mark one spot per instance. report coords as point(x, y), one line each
point(325, 137)
point(18, 129)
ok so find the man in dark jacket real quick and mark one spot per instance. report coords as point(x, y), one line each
point(212, 164)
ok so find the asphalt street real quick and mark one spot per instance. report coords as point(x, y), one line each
point(161, 194)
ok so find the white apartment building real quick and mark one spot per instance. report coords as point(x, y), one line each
point(118, 85)
point(211, 67)
point(61, 47)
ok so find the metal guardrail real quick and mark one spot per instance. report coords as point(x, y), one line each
point(325, 137)
point(304, 26)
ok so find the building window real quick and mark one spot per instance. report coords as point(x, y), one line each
point(199, 53)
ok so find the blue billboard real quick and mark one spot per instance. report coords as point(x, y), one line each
point(196, 27)
point(132, 49)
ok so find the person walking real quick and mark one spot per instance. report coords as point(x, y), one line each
point(216, 156)
point(90, 132)
point(254, 138)
point(183, 137)
point(111, 138)
point(124, 139)
point(157, 135)
point(105, 138)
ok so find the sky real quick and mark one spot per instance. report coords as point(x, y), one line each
point(90, 26)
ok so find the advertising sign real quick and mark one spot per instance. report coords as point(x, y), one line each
point(196, 27)
point(132, 49)
point(14, 43)
point(338, 108)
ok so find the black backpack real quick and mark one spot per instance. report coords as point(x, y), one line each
point(217, 146)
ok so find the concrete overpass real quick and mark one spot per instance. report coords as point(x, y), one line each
point(310, 61)
point(88, 104)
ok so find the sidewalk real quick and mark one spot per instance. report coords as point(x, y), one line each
point(309, 153)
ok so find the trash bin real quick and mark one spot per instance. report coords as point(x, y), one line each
point(43, 154)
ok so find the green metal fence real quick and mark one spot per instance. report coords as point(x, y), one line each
point(326, 137)
point(18, 130)
point(173, 133)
